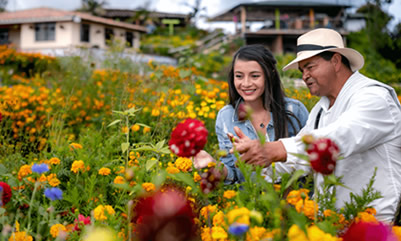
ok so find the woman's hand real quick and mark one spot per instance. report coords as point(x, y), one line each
point(202, 159)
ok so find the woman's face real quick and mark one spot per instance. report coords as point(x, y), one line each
point(249, 80)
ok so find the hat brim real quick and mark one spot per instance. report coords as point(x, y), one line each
point(354, 57)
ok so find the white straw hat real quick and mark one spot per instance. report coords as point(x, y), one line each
point(320, 40)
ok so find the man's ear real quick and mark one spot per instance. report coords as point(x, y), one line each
point(336, 61)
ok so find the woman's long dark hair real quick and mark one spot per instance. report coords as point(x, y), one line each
point(273, 96)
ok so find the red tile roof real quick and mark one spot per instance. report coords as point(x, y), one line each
point(36, 15)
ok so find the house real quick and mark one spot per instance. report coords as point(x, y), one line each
point(47, 29)
point(282, 22)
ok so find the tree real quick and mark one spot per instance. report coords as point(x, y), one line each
point(95, 7)
point(3, 4)
point(196, 10)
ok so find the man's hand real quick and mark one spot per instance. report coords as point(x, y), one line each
point(252, 152)
point(202, 159)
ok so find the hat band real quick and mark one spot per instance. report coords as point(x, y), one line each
point(307, 47)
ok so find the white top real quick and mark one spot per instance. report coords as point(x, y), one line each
point(365, 122)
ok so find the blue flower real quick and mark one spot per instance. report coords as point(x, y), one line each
point(40, 168)
point(54, 193)
point(238, 229)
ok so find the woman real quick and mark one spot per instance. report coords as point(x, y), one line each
point(254, 82)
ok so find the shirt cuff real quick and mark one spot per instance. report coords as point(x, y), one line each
point(230, 178)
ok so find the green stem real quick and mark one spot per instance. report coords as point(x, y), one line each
point(31, 204)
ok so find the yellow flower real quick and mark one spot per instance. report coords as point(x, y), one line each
point(20, 236)
point(205, 234)
point(103, 234)
point(219, 233)
point(296, 234)
point(183, 163)
point(56, 229)
point(101, 211)
point(135, 127)
point(308, 207)
point(53, 180)
point(54, 161)
point(366, 217)
point(208, 210)
point(146, 130)
point(255, 233)
point(148, 186)
point(74, 146)
point(77, 166)
point(172, 169)
point(229, 194)
point(238, 215)
point(197, 177)
point(119, 180)
point(295, 195)
point(104, 171)
point(218, 219)
point(397, 231)
point(24, 171)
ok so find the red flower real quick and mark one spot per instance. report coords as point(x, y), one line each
point(323, 154)
point(188, 138)
point(1, 116)
point(210, 180)
point(362, 231)
point(81, 221)
point(6, 193)
point(243, 112)
point(166, 215)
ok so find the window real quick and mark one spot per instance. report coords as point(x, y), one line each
point(45, 31)
point(108, 35)
point(4, 36)
point(85, 30)
point(129, 38)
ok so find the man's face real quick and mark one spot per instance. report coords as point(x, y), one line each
point(319, 75)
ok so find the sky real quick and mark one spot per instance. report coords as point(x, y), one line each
point(212, 7)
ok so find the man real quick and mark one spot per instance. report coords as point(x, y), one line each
point(363, 117)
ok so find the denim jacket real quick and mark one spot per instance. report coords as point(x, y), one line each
point(226, 120)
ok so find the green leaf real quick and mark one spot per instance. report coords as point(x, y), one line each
point(150, 163)
point(144, 148)
point(160, 144)
point(301, 156)
point(297, 174)
point(114, 122)
point(118, 112)
point(185, 178)
point(143, 125)
point(124, 146)
point(185, 73)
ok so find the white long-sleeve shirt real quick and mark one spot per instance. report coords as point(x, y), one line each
point(365, 122)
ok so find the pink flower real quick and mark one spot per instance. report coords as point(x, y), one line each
point(82, 221)
point(188, 138)
point(166, 213)
point(363, 231)
point(323, 154)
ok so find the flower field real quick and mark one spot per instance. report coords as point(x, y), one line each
point(87, 153)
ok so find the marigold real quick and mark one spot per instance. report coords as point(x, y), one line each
point(20, 236)
point(148, 186)
point(197, 177)
point(24, 171)
point(296, 195)
point(100, 213)
point(56, 229)
point(218, 219)
point(119, 180)
point(229, 194)
point(397, 231)
point(208, 210)
point(183, 163)
point(54, 161)
point(308, 207)
point(219, 233)
point(255, 233)
point(206, 234)
point(78, 166)
point(54, 182)
point(238, 215)
point(104, 171)
point(366, 217)
point(74, 146)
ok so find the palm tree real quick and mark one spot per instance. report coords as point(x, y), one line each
point(95, 7)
